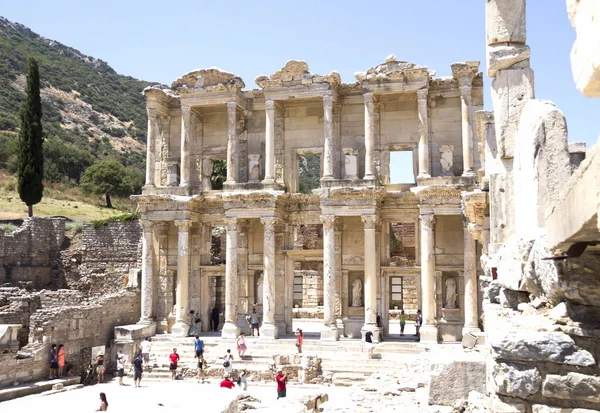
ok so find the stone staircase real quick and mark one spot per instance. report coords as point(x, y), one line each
point(344, 361)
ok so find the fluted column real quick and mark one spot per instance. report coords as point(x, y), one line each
point(369, 137)
point(183, 263)
point(328, 146)
point(186, 119)
point(470, 279)
point(147, 273)
point(232, 151)
point(151, 147)
point(269, 328)
point(423, 134)
point(371, 279)
point(230, 328)
point(330, 330)
point(429, 331)
point(270, 142)
point(467, 130)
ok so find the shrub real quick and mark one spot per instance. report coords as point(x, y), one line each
point(74, 225)
point(8, 227)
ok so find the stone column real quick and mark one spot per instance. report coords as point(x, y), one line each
point(269, 329)
point(151, 146)
point(230, 328)
point(163, 298)
point(467, 129)
point(183, 264)
point(328, 147)
point(330, 330)
point(371, 278)
point(270, 142)
point(147, 273)
point(470, 279)
point(429, 330)
point(369, 137)
point(186, 120)
point(232, 150)
point(423, 134)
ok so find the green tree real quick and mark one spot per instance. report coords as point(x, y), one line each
point(107, 177)
point(219, 174)
point(31, 140)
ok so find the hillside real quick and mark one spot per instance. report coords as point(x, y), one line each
point(90, 112)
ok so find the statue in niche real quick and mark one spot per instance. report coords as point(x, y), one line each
point(259, 291)
point(450, 293)
point(357, 293)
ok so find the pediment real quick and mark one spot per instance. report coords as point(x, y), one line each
point(207, 80)
point(296, 72)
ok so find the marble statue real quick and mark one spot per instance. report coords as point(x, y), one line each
point(357, 293)
point(259, 290)
point(450, 293)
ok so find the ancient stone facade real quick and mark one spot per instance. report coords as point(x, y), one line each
point(207, 116)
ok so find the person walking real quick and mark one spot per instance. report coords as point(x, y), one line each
point(173, 359)
point(228, 362)
point(100, 367)
point(299, 339)
point(214, 319)
point(402, 322)
point(202, 366)
point(418, 323)
point(281, 379)
point(145, 348)
point(199, 346)
point(254, 322)
point(227, 383)
point(379, 325)
point(103, 403)
point(369, 343)
point(121, 367)
point(61, 359)
point(138, 368)
point(243, 380)
point(53, 362)
point(241, 345)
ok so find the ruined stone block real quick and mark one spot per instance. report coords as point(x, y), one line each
point(585, 55)
point(505, 21)
point(515, 380)
point(574, 386)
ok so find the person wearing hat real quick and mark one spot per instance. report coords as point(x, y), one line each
point(281, 379)
point(227, 383)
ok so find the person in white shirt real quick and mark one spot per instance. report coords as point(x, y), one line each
point(121, 366)
point(254, 322)
point(145, 349)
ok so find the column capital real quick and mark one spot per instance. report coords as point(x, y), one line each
point(427, 220)
point(186, 111)
point(465, 72)
point(370, 221)
point(422, 93)
point(151, 112)
point(231, 105)
point(328, 100)
point(231, 224)
point(328, 221)
point(368, 97)
point(269, 104)
point(147, 225)
point(162, 228)
point(269, 222)
point(465, 90)
point(183, 225)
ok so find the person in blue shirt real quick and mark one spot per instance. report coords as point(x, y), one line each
point(199, 345)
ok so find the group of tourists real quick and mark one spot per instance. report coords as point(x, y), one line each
point(57, 361)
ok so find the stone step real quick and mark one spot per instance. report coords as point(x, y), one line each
point(34, 388)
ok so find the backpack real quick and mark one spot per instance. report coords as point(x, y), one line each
point(226, 363)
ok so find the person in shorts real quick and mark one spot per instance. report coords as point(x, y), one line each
point(121, 367)
point(53, 362)
point(199, 346)
point(138, 368)
point(173, 359)
point(281, 379)
point(100, 367)
point(202, 366)
point(369, 344)
point(254, 322)
point(145, 348)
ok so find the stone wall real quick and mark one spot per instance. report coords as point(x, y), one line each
point(312, 287)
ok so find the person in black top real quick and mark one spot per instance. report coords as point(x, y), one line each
point(138, 362)
point(369, 343)
point(214, 319)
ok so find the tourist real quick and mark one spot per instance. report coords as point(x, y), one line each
point(243, 380)
point(254, 322)
point(202, 366)
point(402, 322)
point(379, 325)
point(281, 379)
point(227, 383)
point(61, 359)
point(214, 319)
point(369, 343)
point(103, 403)
point(241, 345)
point(418, 323)
point(173, 358)
point(199, 346)
point(227, 362)
point(100, 367)
point(138, 368)
point(120, 366)
point(299, 339)
point(145, 349)
point(53, 362)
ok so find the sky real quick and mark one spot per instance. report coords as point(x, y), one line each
point(157, 40)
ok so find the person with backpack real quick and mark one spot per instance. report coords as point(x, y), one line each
point(227, 362)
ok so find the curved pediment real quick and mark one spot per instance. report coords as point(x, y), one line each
point(295, 72)
point(207, 80)
point(158, 93)
point(391, 70)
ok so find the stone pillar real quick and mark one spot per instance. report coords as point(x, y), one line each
point(371, 278)
point(183, 264)
point(328, 147)
point(186, 120)
point(163, 298)
point(269, 329)
point(232, 149)
point(467, 130)
point(147, 273)
point(330, 330)
point(470, 279)
point(423, 134)
point(230, 328)
point(270, 142)
point(429, 330)
point(369, 137)
point(151, 147)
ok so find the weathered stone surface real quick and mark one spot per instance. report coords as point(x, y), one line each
point(502, 57)
point(585, 55)
point(516, 380)
point(539, 346)
point(558, 312)
point(512, 299)
point(498, 406)
point(542, 408)
point(572, 386)
point(505, 21)
point(455, 380)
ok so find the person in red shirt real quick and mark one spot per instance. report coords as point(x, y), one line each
point(174, 358)
point(227, 383)
point(281, 379)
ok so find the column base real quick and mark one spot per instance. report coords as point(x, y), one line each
point(327, 178)
point(268, 181)
point(330, 333)
point(180, 328)
point(162, 325)
point(423, 176)
point(429, 334)
point(145, 321)
point(469, 173)
point(369, 178)
point(377, 332)
point(269, 331)
point(230, 330)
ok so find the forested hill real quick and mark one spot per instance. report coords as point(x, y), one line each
point(90, 112)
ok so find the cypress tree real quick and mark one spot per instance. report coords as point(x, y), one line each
point(31, 158)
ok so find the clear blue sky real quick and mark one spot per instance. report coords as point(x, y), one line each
point(158, 40)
